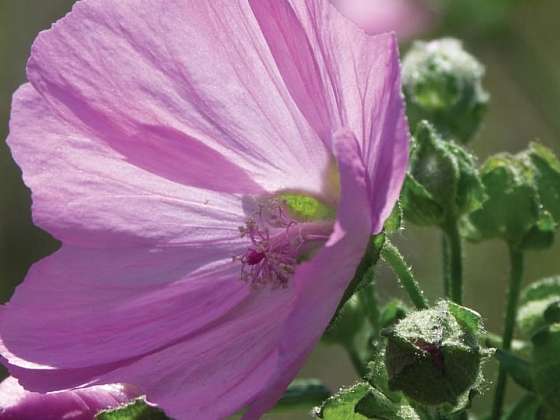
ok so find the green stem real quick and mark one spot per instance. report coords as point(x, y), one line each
point(446, 254)
point(391, 256)
point(516, 275)
point(455, 289)
point(368, 298)
point(357, 362)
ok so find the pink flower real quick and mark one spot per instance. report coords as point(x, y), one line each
point(82, 404)
point(150, 133)
point(407, 18)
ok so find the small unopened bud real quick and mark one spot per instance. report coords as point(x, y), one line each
point(442, 84)
point(442, 182)
point(529, 183)
point(433, 356)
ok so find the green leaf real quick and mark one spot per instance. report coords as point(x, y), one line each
point(541, 300)
point(302, 394)
point(342, 405)
point(518, 368)
point(542, 289)
point(375, 405)
point(137, 410)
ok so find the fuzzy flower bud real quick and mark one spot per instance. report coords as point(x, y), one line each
point(442, 182)
point(442, 83)
point(433, 356)
point(528, 182)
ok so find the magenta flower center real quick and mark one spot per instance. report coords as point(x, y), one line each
point(277, 244)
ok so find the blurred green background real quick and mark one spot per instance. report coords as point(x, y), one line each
point(517, 41)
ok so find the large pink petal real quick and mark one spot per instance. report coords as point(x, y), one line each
point(179, 88)
point(83, 404)
point(321, 283)
point(198, 345)
point(359, 86)
point(81, 308)
point(87, 194)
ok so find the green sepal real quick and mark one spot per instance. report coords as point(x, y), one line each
point(375, 405)
point(136, 410)
point(393, 312)
point(395, 220)
point(341, 406)
point(546, 175)
point(419, 207)
point(516, 367)
point(541, 234)
point(362, 401)
point(442, 84)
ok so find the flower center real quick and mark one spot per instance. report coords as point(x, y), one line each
point(277, 244)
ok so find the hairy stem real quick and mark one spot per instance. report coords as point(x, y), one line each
point(368, 298)
point(391, 256)
point(454, 290)
point(446, 258)
point(516, 274)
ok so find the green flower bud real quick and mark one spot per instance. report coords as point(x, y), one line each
point(545, 171)
point(529, 183)
point(540, 306)
point(442, 182)
point(433, 356)
point(442, 84)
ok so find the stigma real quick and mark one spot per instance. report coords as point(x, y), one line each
point(277, 243)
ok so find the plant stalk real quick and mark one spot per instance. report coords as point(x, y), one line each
point(392, 256)
point(516, 275)
point(454, 261)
